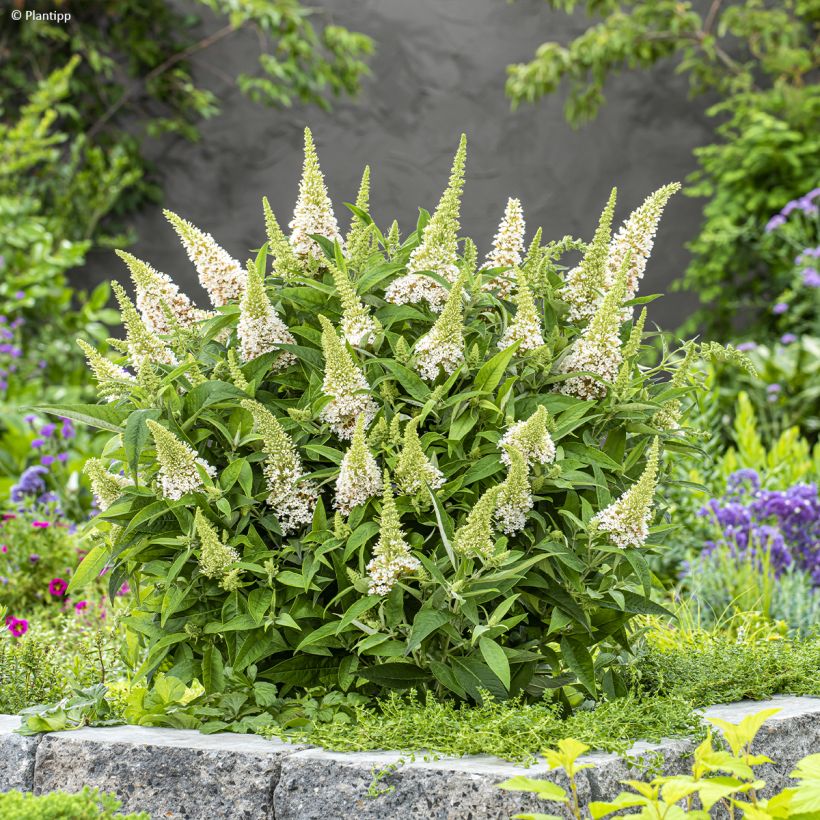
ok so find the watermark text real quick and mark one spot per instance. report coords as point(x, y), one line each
point(50, 16)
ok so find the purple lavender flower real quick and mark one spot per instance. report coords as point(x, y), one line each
point(788, 339)
point(47, 461)
point(745, 347)
point(780, 308)
point(37, 443)
point(20, 294)
point(47, 430)
point(30, 484)
point(777, 221)
point(811, 278)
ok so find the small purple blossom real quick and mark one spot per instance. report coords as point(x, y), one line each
point(17, 626)
point(777, 221)
point(63, 457)
point(780, 308)
point(811, 278)
point(37, 443)
point(20, 294)
point(57, 587)
point(745, 347)
point(30, 484)
point(48, 430)
point(47, 461)
point(788, 339)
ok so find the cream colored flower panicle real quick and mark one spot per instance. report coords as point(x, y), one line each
point(626, 520)
point(508, 247)
point(598, 350)
point(391, 556)
point(107, 487)
point(526, 325)
point(438, 249)
point(292, 498)
point(474, 538)
point(113, 381)
point(260, 330)
point(285, 264)
point(636, 238)
point(514, 495)
point(313, 213)
point(219, 273)
point(142, 344)
point(215, 557)
point(358, 326)
point(359, 477)
point(442, 347)
point(413, 469)
point(345, 383)
point(530, 437)
point(159, 299)
point(179, 465)
point(586, 284)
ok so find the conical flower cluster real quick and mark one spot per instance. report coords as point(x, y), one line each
point(630, 350)
point(508, 247)
point(531, 438)
point(215, 557)
point(474, 538)
point(636, 238)
point(526, 325)
point(142, 344)
point(442, 347)
point(345, 383)
point(113, 382)
point(313, 213)
point(438, 249)
point(159, 299)
point(180, 468)
point(358, 326)
point(391, 556)
point(413, 469)
point(285, 264)
point(626, 520)
point(598, 350)
point(359, 477)
point(292, 498)
point(360, 236)
point(219, 273)
point(260, 330)
point(514, 496)
point(586, 284)
point(107, 487)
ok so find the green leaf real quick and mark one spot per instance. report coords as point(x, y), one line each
point(496, 660)
point(90, 568)
point(213, 674)
point(579, 662)
point(136, 436)
point(425, 623)
point(492, 371)
point(543, 788)
point(407, 378)
point(102, 416)
point(395, 675)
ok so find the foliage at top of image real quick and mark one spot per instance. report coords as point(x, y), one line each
point(365, 468)
point(761, 62)
point(134, 78)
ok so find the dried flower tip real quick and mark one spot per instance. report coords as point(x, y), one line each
point(359, 477)
point(180, 468)
point(313, 213)
point(413, 469)
point(391, 556)
point(508, 247)
point(219, 273)
point(260, 330)
point(626, 520)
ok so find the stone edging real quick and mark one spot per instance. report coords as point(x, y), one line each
point(173, 773)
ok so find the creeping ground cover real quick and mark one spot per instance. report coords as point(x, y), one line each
point(378, 463)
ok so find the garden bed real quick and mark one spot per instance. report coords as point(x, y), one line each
point(183, 774)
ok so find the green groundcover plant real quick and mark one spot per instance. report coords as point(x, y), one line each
point(379, 465)
point(89, 804)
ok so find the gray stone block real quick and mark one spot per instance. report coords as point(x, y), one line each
point(167, 772)
point(16, 756)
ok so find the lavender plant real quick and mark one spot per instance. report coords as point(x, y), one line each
point(373, 464)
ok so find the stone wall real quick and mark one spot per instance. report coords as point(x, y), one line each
point(439, 70)
point(185, 775)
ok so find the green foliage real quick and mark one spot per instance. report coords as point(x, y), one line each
point(464, 584)
point(134, 80)
point(30, 672)
point(759, 60)
point(89, 804)
point(721, 779)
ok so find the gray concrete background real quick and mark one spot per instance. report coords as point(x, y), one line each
point(439, 70)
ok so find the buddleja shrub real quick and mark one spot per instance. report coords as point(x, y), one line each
point(375, 464)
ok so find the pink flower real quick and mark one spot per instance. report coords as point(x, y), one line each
point(17, 626)
point(4, 549)
point(124, 589)
point(41, 524)
point(80, 605)
point(57, 587)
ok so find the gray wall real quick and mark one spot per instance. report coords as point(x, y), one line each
point(439, 70)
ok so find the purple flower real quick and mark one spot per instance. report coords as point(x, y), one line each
point(811, 278)
point(47, 461)
point(780, 308)
point(47, 430)
point(62, 457)
point(30, 484)
point(57, 587)
point(80, 605)
point(20, 294)
point(788, 339)
point(745, 347)
point(37, 443)
point(30, 418)
point(17, 626)
point(34, 558)
point(67, 431)
point(775, 222)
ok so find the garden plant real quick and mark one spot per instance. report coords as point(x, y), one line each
point(378, 464)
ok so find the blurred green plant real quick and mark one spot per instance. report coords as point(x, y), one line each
point(134, 80)
point(760, 61)
point(89, 804)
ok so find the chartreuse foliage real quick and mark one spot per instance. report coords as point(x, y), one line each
point(89, 804)
point(721, 778)
point(486, 574)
